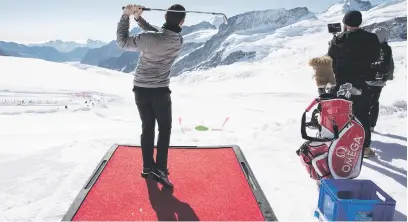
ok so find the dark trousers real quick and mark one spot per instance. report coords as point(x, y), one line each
point(374, 104)
point(361, 110)
point(154, 104)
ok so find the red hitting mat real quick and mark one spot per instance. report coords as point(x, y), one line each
point(210, 183)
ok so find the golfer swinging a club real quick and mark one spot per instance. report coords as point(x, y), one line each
point(158, 51)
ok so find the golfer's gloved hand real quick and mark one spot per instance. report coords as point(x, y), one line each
point(135, 10)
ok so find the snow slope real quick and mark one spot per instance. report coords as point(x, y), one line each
point(385, 11)
point(200, 36)
point(217, 21)
point(347, 5)
point(47, 151)
point(382, 12)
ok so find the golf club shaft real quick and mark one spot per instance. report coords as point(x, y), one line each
point(168, 10)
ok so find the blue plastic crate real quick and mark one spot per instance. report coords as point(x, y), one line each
point(354, 200)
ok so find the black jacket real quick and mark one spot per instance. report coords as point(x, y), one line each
point(353, 53)
point(382, 64)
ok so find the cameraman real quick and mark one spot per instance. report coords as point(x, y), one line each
point(353, 52)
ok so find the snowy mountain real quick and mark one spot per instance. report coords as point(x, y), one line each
point(247, 36)
point(126, 62)
point(397, 27)
point(67, 46)
point(347, 5)
point(135, 31)
point(41, 52)
point(220, 50)
point(200, 36)
point(252, 36)
point(116, 59)
point(3, 53)
point(391, 15)
point(55, 51)
point(97, 55)
point(217, 21)
point(386, 11)
point(107, 54)
point(358, 5)
point(197, 27)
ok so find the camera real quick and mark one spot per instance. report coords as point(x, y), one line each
point(334, 28)
point(379, 76)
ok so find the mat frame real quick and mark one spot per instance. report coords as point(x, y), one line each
point(260, 197)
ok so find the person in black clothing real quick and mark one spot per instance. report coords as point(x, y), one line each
point(381, 68)
point(353, 51)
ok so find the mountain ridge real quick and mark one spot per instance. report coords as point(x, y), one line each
point(68, 46)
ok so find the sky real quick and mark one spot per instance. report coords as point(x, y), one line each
point(29, 21)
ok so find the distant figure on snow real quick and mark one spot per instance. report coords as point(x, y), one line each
point(158, 51)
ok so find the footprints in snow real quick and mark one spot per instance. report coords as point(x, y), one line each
point(15, 102)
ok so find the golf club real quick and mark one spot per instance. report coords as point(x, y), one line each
point(167, 10)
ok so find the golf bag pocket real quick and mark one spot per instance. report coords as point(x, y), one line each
point(345, 153)
point(313, 156)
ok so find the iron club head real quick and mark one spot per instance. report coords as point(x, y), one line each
point(225, 19)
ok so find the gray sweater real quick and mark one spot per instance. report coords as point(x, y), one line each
point(158, 51)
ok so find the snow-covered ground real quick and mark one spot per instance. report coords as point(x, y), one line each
point(200, 36)
point(58, 120)
point(47, 152)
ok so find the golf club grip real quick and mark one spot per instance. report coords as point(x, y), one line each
point(144, 9)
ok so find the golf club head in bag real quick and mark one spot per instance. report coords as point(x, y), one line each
point(347, 90)
point(225, 18)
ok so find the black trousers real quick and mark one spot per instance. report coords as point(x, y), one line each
point(361, 109)
point(374, 104)
point(154, 104)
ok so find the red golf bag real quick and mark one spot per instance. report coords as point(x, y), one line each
point(337, 151)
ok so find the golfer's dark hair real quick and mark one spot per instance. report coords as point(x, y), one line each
point(174, 18)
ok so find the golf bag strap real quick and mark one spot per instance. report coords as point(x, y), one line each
point(315, 139)
point(312, 104)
